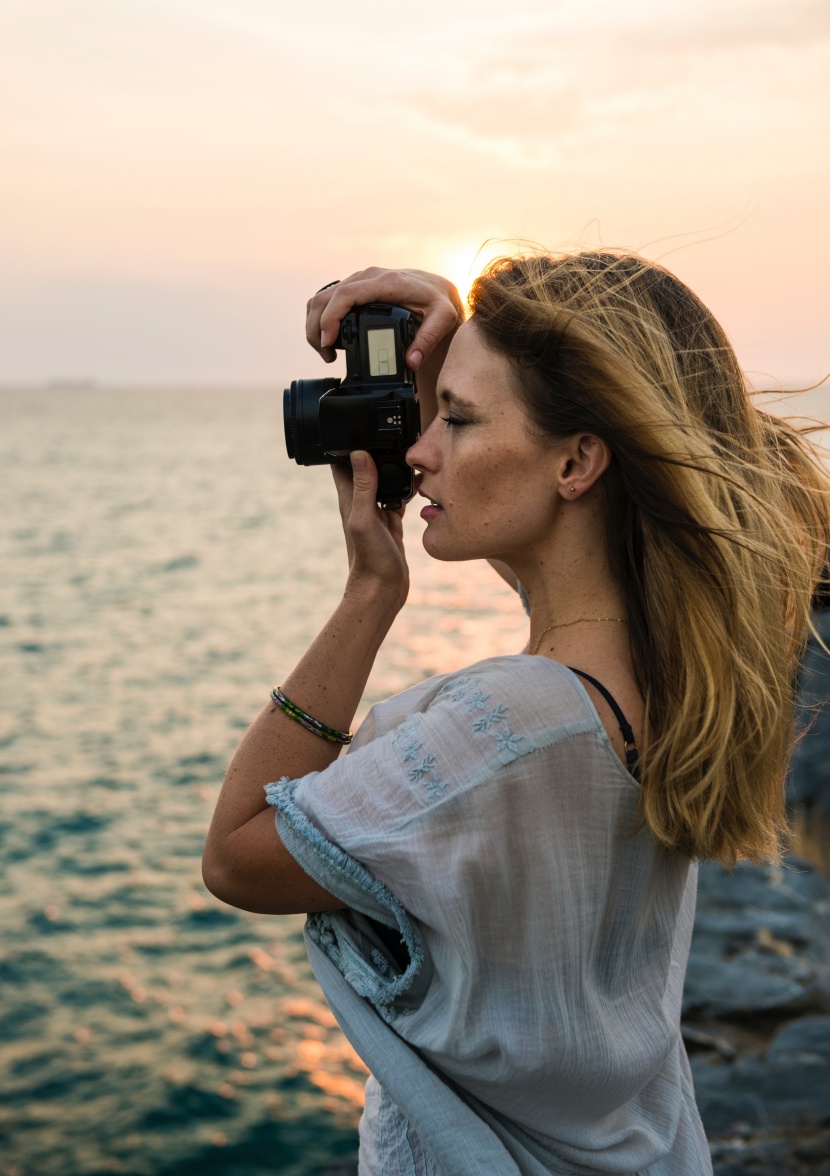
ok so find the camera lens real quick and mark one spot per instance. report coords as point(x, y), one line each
point(301, 418)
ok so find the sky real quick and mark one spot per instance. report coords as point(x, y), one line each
point(178, 176)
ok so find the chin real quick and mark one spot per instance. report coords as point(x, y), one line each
point(443, 549)
point(435, 550)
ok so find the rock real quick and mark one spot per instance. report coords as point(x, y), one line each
point(807, 1041)
point(786, 1089)
point(773, 1155)
point(761, 942)
point(757, 1017)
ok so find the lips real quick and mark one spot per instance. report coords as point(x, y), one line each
point(433, 510)
point(432, 501)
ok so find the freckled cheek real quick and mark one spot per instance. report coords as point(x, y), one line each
point(483, 487)
point(500, 482)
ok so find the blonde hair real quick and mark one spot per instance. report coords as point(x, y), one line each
point(718, 527)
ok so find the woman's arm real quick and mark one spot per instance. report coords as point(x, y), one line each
point(244, 862)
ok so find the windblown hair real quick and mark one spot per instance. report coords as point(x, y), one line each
point(717, 530)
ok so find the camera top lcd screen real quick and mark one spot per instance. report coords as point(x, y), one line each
point(381, 345)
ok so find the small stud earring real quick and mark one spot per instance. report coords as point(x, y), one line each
point(573, 489)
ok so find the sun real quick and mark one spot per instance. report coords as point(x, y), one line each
point(464, 262)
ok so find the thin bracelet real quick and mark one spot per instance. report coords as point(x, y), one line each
point(308, 721)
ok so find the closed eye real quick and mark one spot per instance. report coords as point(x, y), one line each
point(452, 420)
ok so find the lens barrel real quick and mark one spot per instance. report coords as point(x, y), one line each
point(301, 419)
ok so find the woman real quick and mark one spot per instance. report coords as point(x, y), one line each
point(501, 874)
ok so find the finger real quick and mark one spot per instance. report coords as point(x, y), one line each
point(363, 515)
point(354, 291)
point(435, 301)
point(439, 310)
point(439, 321)
point(314, 310)
point(397, 287)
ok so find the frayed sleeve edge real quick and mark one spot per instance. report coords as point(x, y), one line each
point(341, 874)
point(327, 863)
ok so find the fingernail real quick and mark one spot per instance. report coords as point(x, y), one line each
point(324, 339)
point(358, 460)
point(415, 359)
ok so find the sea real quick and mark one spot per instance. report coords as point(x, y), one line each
point(164, 565)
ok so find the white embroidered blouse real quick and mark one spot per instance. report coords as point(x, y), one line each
point(511, 964)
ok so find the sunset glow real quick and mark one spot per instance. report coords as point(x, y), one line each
point(179, 175)
point(464, 262)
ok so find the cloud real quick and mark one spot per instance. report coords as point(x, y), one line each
point(189, 141)
point(612, 76)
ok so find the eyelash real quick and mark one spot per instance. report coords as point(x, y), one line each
point(451, 421)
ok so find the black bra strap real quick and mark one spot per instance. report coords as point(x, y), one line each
point(632, 755)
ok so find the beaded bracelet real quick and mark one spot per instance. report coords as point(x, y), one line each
point(306, 720)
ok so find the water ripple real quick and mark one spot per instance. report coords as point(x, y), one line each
point(164, 565)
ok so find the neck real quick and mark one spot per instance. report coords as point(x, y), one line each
point(568, 578)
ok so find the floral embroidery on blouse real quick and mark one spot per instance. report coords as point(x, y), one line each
point(408, 741)
point(411, 747)
point(497, 715)
point(456, 689)
point(507, 740)
point(493, 721)
point(476, 700)
point(425, 773)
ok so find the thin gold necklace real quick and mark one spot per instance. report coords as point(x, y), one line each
point(578, 621)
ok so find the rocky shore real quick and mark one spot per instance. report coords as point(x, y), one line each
point(757, 999)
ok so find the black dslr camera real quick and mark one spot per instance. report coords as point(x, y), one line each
point(373, 408)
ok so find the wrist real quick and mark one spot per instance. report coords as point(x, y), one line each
point(373, 597)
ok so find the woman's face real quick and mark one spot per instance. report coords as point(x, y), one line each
point(494, 484)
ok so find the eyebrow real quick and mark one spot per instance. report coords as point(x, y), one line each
point(448, 397)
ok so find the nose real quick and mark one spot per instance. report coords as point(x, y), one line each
point(423, 454)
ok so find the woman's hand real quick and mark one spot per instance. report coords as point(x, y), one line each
point(433, 299)
point(374, 537)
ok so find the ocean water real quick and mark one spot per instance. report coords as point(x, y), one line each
point(163, 565)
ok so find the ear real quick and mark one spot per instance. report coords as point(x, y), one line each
point(583, 460)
